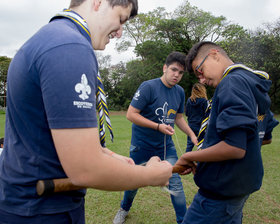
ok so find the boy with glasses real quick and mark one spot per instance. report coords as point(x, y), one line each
point(229, 165)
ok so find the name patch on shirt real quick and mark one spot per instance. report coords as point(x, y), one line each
point(84, 90)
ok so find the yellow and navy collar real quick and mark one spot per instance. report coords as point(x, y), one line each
point(234, 66)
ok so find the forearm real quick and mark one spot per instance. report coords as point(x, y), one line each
point(107, 151)
point(219, 152)
point(138, 119)
point(135, 117)
point(86, 164)
point(107, 173)
point(183, 126)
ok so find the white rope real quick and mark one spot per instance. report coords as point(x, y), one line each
point(181, 151)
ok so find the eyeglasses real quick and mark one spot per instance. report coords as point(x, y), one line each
point(197, 67)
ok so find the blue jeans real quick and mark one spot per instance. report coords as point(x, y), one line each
point(140, 155)
point(204, 210)
point(190, 144)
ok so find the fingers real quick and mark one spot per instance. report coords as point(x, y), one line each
point(154, 159)
point(187, 171)
point(194, 140)
point(166, 129)
point(190, 166)
point(159, 171)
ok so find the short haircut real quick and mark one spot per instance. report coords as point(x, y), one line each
point(176, 57)
point(124, 3)
point(200, 50)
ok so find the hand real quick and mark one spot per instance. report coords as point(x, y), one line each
point(182, 170)
point(166, 129)
point(194, 140)
point(158, 172)
point(123, 158)
point(183, 161)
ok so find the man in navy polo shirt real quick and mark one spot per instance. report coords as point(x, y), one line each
point(51, 126)
point(230, 164)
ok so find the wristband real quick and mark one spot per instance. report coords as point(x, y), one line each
point(158, 126)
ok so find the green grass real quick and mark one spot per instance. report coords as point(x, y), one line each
point(153, 206)
point(2, 123)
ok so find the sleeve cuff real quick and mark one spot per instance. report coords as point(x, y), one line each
point(236, 138)
point(267, 136)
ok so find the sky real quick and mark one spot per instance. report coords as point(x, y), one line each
point(20, 19)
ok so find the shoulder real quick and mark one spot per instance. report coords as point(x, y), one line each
point(236, 79)
point(60, 34)
point(179, 89)
point(152, 83)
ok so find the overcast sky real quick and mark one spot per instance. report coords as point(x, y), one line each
point(20, 19)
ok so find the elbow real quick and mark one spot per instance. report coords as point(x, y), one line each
point(239, 153)
point(128, 116)
point(236, 153)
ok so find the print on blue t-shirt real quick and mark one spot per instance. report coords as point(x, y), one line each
point(160, 104)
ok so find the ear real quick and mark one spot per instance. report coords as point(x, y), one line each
point(215, 54)
point(164, 68)
point(96, 4)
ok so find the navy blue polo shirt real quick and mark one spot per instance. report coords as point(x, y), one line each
point(51, 85)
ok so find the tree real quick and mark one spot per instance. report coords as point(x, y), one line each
point(141, 29)
point(4, 65)
point(259, 50)
point(156, 34)
point(198, 25)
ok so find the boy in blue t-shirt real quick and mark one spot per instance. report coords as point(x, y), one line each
point(229, 165)
point(157, 105)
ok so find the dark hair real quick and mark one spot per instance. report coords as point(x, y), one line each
point(124, 3)
point(201, 49)
point(1, 141)
point(176, 57)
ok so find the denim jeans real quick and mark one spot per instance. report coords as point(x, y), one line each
point(140, 155)
point(190, 144)
point(204, 210)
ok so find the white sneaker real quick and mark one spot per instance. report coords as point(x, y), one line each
point(120, 216)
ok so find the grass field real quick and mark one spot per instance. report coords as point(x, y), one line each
point(153, 206)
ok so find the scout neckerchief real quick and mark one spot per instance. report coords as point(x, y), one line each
point(100, 95)
point(205, 121)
